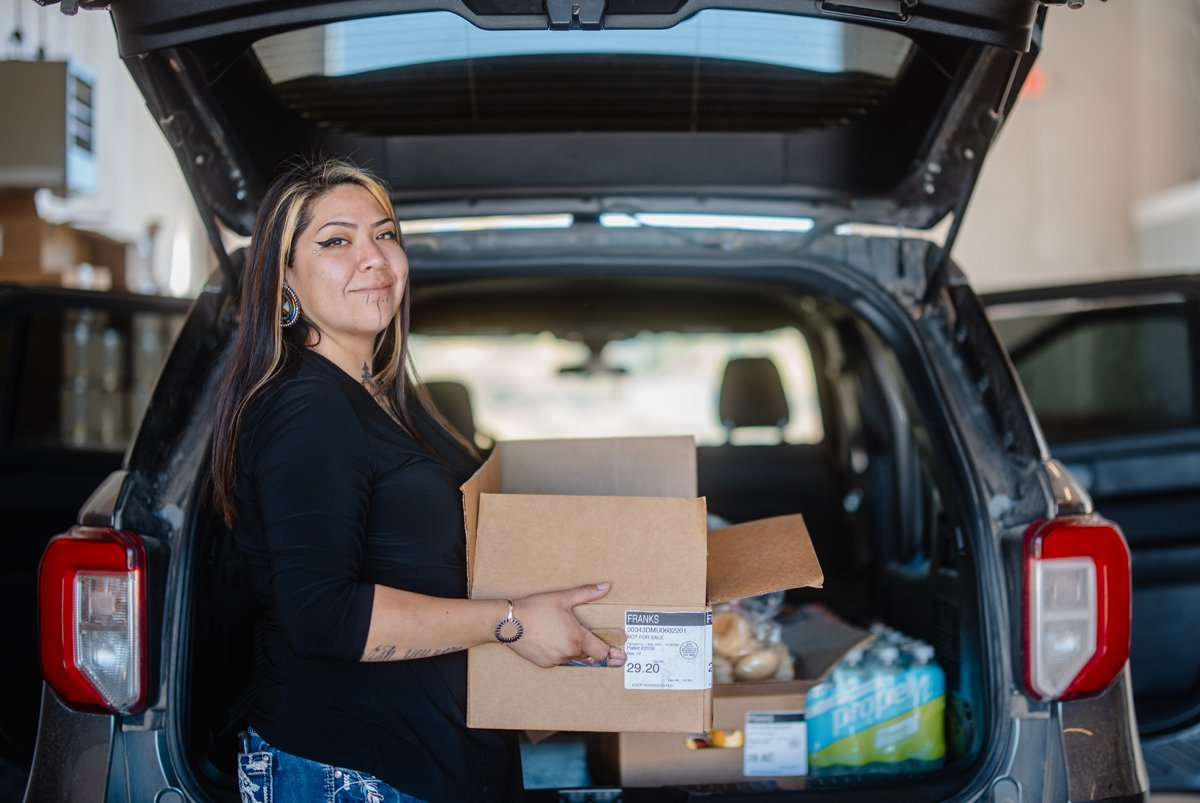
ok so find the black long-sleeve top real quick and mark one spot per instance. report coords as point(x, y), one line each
point(333, 497)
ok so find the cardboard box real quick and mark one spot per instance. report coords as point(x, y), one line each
point(546, 515)
point(34, 250)
point(661, 759)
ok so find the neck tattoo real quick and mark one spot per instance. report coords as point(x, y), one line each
point(366, 374)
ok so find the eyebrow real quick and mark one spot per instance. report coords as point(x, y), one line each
point(375, 225)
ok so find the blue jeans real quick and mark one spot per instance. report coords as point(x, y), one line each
point(268, 775)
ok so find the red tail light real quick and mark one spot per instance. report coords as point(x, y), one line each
point(92, 611)
point(1077, 606)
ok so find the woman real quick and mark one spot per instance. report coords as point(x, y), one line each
point(341, 485)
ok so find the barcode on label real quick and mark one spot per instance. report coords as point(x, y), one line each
point(776, 743)
point(668, 650)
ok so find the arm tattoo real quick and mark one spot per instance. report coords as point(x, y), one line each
point(382, 652)
point(427, 653)
point(387, 652)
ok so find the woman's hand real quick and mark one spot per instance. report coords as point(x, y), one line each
point(552, 635)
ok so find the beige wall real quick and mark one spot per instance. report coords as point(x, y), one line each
point(1118, 124)
point(1166, 103)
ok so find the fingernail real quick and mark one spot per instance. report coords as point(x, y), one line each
point(602, 586)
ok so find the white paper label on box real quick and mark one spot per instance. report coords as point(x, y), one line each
point(776, 743)
point(668, 650)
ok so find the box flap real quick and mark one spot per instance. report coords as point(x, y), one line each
point(486, 479)
point(532, 543)
point(759, 557)
point(600, 466)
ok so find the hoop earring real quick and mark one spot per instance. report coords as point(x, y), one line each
point(290, 309)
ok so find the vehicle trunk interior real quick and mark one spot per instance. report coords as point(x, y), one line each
point(804, 408)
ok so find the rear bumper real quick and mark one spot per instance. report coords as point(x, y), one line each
point(1101, 747)
point(71, 761)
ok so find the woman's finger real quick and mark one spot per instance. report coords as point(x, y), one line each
point(594, 647)
point(582, 594)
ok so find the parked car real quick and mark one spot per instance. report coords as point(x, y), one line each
point(77, 371)
point(1111, 370)
point(610, 210)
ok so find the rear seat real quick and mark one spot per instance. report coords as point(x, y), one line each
point(453, 401)
point(744, 482)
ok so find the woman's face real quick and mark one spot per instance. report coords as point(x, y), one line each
point(348, 269)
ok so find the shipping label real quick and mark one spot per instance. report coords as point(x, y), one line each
point(776, 744)
point(668, 650)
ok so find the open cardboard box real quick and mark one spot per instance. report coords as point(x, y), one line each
point(772, 741)
point(546, 515)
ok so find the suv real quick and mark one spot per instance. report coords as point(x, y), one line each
point(625, 217)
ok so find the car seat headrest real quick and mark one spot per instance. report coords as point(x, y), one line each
point(453, 400)
point(752, 394)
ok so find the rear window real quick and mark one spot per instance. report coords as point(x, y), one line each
point(1105, 372)
point(653, 383)
point(719, 70)
point(365, 45)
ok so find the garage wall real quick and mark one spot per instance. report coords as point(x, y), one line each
point(1115, 126)
point(138, 180)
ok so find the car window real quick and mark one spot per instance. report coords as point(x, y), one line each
point(1105, 372)
point(84, 375)
point(376, 43)
point(440, 73)
point(652, 383)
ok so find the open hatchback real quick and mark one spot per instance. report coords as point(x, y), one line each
point(725, 220)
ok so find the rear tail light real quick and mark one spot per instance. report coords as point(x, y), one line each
point(1077, 606)
point(92, 612)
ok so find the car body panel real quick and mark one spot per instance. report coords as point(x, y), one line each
point(74, 754)
point(1138, 457)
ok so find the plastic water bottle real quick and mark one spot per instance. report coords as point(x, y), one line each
point(906, 648)
point(927, 747)
point(831, 709)
point(819, 702)
point(881, 709)
point(884, 740)
point(853, 692)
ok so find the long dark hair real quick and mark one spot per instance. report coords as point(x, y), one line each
point(262, 347)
